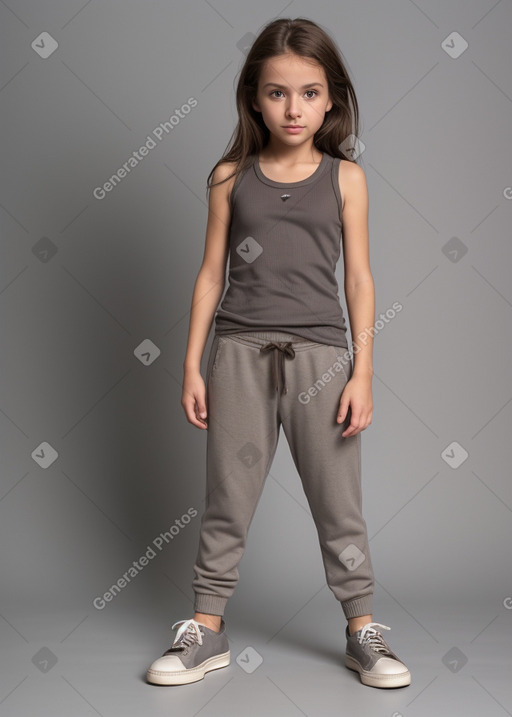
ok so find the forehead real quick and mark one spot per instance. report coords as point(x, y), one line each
point(292, 69)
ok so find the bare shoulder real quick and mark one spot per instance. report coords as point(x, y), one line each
point(219, 216)
point(222, 172)
point(352, 181)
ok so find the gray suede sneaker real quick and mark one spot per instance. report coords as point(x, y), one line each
point(370, 655)
point(196, 650)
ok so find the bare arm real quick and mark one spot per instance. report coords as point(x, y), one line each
point(359, 286)
point(360, 295)
point(210, 280)
point(208, 290)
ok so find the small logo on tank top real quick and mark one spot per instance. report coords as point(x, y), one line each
point(284, 197)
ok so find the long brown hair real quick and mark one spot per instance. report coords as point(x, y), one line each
point(305, 38)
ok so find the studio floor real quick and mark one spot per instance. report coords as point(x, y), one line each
point(460, 658)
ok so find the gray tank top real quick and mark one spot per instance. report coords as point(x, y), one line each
point(284, 243)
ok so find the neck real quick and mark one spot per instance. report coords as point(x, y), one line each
point(280, 153)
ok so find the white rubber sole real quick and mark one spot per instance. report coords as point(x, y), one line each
point(367, 678)
point(194, 674)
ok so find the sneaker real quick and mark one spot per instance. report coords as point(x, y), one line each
point(196, 650)
point(370, 655)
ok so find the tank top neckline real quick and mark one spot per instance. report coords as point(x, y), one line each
point(300, 183)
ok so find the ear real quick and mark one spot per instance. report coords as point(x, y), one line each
point(255, 106)
point(329, 105)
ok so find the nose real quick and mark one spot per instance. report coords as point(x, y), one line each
point(293, 109)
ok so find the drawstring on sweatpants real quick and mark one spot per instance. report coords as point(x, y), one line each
point(280, 351)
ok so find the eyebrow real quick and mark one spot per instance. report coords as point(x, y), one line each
point(283, 87)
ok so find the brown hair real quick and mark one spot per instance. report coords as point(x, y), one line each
point(305, 38)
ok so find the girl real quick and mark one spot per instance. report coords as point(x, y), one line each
point(281, 199)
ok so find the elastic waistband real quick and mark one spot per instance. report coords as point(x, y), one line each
point(259, 338)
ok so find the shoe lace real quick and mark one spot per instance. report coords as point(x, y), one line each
point(188, 634)
point(372, 637)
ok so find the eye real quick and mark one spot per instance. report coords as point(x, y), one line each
point(315, 92)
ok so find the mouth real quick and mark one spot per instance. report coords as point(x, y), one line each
point(293, 126)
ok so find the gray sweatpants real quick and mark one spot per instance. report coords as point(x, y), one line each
point(255, 382)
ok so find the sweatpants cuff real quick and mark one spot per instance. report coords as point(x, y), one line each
point(209, 604)
point(358, 606)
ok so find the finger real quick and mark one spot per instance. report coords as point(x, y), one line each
point(189, 406)
point(201, 407)
point(342, 411)
point(200, 416)
point(354, 427)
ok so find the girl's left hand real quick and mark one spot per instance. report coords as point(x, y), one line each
point(357, 395)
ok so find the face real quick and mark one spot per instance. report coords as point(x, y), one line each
point(292, 91)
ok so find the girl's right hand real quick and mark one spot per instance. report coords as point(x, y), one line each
point(193, 398)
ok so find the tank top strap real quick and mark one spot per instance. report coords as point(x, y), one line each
point(335, 177)
point(239, 178)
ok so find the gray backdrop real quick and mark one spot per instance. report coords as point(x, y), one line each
point(98, 461)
